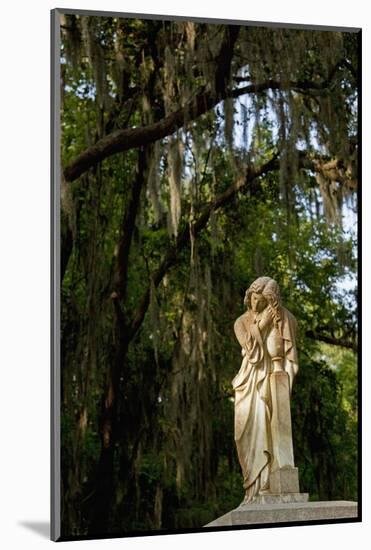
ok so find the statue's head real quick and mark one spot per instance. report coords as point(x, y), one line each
point(262, 292)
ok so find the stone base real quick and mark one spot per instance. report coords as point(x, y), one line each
point(283, 512)
point(270, 498)
point(284, 480)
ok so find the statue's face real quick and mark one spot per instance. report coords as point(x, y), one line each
point(258, 302)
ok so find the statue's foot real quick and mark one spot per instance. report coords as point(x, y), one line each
point(248, 499)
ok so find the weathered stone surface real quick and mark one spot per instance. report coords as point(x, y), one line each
point(283, 453)
point(250, 514)
point(278, 499)
point(284, 480)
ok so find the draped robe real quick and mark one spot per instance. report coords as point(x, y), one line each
point(253, 402)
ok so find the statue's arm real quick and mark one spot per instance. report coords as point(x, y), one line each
point(291, 365)
point(290, 328)
point(240, 332)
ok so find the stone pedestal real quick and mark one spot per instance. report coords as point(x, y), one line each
point(284, 480)
point(283, 453)
point(284, 476)
point(286, 498)
point(282, 512)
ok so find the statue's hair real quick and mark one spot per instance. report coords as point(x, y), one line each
point(271, 292)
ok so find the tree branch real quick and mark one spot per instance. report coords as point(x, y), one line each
point(184, 236)
point(224, 60)
point(172, 254)
point(342, 342)
point(127, 231)
point(333, 169)
point(122, 140)
point(129, 138)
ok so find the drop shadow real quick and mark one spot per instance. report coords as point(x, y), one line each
point(42, 528)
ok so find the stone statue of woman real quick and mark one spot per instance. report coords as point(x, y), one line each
point(267, 334)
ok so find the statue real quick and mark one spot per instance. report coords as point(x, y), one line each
point(267, 335)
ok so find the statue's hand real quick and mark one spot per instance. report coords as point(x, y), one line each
point(266, 318)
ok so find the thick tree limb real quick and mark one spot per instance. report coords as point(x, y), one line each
point(129, 138)
point(332, 169)
point(342, 342)
point(66, 244)
point(122, 140)
point(128, 226)
point(224, 60)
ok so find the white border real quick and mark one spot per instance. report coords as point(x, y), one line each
point(25, 289)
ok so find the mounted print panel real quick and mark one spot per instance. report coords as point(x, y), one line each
point(204, 274)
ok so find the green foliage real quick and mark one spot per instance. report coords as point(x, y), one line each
point(325, 434)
